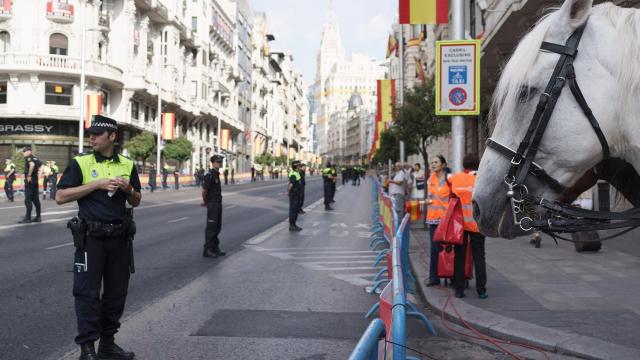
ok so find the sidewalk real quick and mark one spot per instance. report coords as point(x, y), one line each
point(581, 304)
point(283, 295)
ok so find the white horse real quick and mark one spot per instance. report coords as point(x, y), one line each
point(608, 72)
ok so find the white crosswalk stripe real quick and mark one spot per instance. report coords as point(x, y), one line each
point(352, 266)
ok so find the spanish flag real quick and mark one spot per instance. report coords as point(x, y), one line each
point(386, 97)
point(168, 125)
point(392, 46)
point(424, 11)
point(225, 136)
point(94, 103)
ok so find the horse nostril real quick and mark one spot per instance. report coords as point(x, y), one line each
point(476, 210)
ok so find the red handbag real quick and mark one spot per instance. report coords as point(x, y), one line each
point(446, 255)
point(451, 227)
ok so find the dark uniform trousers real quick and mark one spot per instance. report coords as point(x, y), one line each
point(52, 186)
point(31, 198)
point(108, 265)
point(214, 225)
point(8, 187)
point(328, 186)
point(294, 207)
point(301, 199)
point(477, 251)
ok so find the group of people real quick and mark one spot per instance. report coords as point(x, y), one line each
point(353, 174)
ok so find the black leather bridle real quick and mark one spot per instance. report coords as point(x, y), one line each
point(558, 217)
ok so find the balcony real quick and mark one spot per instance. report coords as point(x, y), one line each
point(104, 22)
point(60, 12)
point(58, 65)
point(6, 9)
point(159, 13)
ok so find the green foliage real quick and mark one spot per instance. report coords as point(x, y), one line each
point(416, 122)
point(18, 161)
point(280, 160)
point(179, 149)
point(264, 159)
point(141, 146)
point(390, 146)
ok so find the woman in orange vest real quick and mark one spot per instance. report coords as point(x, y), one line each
point(462, 186)
point(437, 201)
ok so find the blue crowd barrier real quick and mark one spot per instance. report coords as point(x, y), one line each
point(367, 347)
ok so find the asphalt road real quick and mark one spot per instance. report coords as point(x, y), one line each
point(37, 319)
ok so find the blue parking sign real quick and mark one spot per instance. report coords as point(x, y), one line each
point(458, 75)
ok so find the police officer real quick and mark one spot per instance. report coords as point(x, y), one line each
point(152, 178)
point(53, 179)
point(9, 178)
point(294, 189)
point(32, 167)
point(334, 173)
point(212, 199)
point(302, 169)
point(328, 180)
point(165, 174)
point(102, 181)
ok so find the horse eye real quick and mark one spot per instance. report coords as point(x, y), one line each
point(525, 93)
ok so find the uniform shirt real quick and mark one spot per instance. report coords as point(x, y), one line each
point(98, 206)
point(212, 185)
point(302, 174)
point(11, 168)
point(37, 164)
point(296, 181)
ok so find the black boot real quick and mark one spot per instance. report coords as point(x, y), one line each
point(88, 352)
point(219, 252)
point(108, 350)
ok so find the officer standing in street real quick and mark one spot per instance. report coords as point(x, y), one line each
point(328, 180)
point(302, 169)
point(32, 170)
point(152, 178)
point(212, 199)
point(294, 189)
point(9, 178)
point(53, 180)
point(334, 173)
point(103, 182)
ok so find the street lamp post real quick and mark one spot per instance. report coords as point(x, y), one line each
point(82, 77)
point(457, 122)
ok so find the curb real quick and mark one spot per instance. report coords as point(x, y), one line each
point(510, 329)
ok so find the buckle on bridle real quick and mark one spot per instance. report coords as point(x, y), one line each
point(516, 163)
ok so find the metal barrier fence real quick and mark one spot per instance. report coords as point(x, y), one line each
point(393, 305)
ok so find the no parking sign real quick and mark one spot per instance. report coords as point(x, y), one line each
point(458, 77)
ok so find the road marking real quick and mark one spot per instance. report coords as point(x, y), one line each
point(59, 246)
point(356, 279)
point(231, 206)
point(176, 220)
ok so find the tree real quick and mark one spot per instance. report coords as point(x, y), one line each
point(141, 146)
point(416, 122)
point(280, 160)
point(264, 159)
point(390, 146)
point(179, 149)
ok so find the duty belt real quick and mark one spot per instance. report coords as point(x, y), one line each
point(96, 229)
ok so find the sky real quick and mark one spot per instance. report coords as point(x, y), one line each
point(297, 26)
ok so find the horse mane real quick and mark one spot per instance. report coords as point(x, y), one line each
point(515, 77)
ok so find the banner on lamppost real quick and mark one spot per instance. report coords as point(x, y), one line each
point(94, 103)
point(458, 77)
point(168, 125)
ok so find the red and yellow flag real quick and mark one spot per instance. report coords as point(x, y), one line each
point(392, 46)
point(386, 97)
point(94, 103)
point(424, 11)
point(168, 125)
point(225, 136)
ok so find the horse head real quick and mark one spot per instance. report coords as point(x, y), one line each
point(607, 70)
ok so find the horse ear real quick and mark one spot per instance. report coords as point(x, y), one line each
point(575, 12)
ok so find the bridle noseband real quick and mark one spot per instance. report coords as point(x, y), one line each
point(559, 217)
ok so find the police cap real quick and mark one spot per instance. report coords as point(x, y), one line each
point(217, 158)
point(295, 163)
point(26, 148)
point(100, 124)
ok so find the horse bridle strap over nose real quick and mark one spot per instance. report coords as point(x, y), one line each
point(559, 217)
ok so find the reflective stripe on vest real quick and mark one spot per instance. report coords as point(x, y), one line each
point(326, 171)
point(295, 174)
point(93, 170)
point(462, 185)
point(439, 196)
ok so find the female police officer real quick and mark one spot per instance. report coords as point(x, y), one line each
point(102, 182)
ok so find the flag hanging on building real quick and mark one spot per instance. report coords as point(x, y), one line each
point(392, 46)
point(168, 126)
point(420, 70)
point(386, 98)
point(94, 103)
point(225, 137)
point(423, 11)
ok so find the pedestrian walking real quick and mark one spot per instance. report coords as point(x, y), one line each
point(165, 174)
point(196, 175)
point(9, 178)
point(32, 172)
point(302, 169)
point(253, 173)
point(233, 173)
point(212, 200)
point(53, 180)
point(225, 173)
point(294, 190)
point(152, 178)
point(328, 180)
point(462, 185)
point(103, 182)
point(397, 189)
point(437, 203)
point(176, 179)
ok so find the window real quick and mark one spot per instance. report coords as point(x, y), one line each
point(147, 112)
point(194, 89)
point(58, 44)
point(135, 110)
point(153, 114)
point(203, 93)
point(100, 51)
point(164, 46)
point(194, 23)
point(104, 106)
point(58, 94)
point(3, 92)
point(5, 42)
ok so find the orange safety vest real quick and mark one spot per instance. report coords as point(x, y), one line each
point(439, 196)
point(462, 185)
